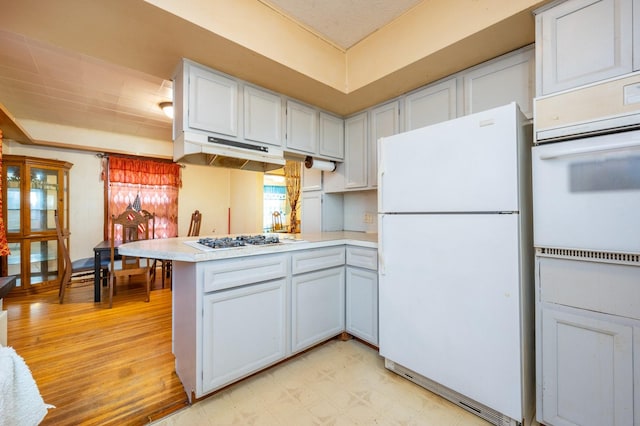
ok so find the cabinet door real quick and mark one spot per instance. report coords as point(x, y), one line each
point(507, 79)
point(213, 102)
point(636, 35)
point(587, 370)
point(302, 125)
point(262, 116)
point(583, 41)
point(317, 311)
point(243, 331)
point(355, 129)
point(384, 122)
point(331, 136)
point(322, 212)
point(430, 105)
point(311, 220)
point(311, 179)
point(362, 304)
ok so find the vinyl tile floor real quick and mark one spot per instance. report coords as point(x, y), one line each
point(338, 383)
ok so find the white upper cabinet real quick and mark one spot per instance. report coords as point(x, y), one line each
point(302, 128)
point(311, 179)
point(355, 129)
point(213, 102)
point(385, 121)
point(509, 78)
point(262, 116)
point(584, 41)
point(636, 35)
point(331, 136)
point(430, 105)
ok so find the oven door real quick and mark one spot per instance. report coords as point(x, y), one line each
point(586, 193)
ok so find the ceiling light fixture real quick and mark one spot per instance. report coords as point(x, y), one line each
point(167, 108)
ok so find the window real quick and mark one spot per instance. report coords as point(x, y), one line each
point(145, 184)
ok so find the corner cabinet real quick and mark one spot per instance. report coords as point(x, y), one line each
point(33, 189)
point(362, 293)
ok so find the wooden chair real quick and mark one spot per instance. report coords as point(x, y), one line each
point(165, 264)
point(194, 226)
point(75, 268)
point(63, 235)
point(133, 226)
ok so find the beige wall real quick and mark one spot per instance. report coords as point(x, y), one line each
point(246, 202)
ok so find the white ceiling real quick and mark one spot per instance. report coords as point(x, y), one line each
point(342, 22)
point(45, 83)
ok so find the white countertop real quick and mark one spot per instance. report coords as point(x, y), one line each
point(176, 249)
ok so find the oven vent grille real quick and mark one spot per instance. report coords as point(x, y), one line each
point(596, 256)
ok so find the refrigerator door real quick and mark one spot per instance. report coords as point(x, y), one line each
point(469, 164)
point(449, 288)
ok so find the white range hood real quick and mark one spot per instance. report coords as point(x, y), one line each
point(206, 150)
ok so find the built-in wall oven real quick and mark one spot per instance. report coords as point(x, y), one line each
point(586, 199)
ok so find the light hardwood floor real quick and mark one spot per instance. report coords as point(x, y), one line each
point(99, 366)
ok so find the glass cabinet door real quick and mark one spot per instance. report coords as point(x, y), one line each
point(35, 189)
point(43, 199)
point(14, 199)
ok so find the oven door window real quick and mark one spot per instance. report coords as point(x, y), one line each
point(608, 174)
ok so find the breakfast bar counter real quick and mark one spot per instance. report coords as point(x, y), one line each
point(239, 310)
point(182, 248)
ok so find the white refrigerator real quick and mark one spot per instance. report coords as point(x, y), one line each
point(456, 261)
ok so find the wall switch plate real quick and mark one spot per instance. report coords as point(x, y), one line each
point(632, 93)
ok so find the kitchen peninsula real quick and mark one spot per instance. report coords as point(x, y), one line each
point(239, 310)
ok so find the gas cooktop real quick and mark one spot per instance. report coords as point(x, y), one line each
point(239, 241)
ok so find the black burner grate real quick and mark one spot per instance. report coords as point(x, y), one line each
point(242, 240)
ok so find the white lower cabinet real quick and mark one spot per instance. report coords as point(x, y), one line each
point(362, 304)
point(362, 294)
point(588, 369)
point(243, 331)
point(317, 308)
point(587, 342)
point(235, 317)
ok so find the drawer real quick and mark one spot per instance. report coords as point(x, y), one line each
point(315, 259)
point(224, 274)
point(601, 287)
point(362, 257)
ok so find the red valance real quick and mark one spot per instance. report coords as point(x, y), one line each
point(144, 171)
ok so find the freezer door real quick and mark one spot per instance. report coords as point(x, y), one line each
point(467, 164)
point(450, 303)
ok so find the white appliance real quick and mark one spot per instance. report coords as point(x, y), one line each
point(586, 198)
point(456, 261)
point(602, 107)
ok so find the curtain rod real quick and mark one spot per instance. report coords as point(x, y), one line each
point(106, 155)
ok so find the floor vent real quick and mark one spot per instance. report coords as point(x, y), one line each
point(590, 255)
point(490, 415)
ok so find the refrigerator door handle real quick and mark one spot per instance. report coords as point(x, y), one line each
point(381, 268)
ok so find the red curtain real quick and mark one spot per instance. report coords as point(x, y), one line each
point(154, 183)
point(4, 246)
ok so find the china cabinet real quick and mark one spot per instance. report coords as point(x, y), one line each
point(33, 189)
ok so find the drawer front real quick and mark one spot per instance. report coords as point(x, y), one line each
point(246, 270)
point(601, 287)
point(316, 259)
point(362, 257)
